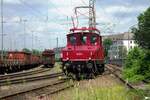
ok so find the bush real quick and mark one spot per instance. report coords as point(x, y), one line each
point(137, 65)
point(145, 65)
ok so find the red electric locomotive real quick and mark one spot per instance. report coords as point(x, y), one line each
point(83, 56)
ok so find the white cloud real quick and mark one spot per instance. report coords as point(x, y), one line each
point(124, 9)
point(12, 1)
point(108, 17)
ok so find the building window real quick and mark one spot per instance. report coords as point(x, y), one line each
point(130, 41)
point(134, 41)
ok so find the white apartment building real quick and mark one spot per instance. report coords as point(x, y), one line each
point(122, 43)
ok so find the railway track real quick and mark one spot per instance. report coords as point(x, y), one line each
point(28, 79)
point(116, 71)
point(113, 71)
point(119, 68)
point(40, 88)
point(25, 73)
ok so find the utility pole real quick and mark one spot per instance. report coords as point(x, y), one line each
point(57, 42)
point(32, 39)
point(24, 29)
point(2, 33)
point(92, 15)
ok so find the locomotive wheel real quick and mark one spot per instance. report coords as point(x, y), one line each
point(78, 77)
point(91, 76)
point(101, 68)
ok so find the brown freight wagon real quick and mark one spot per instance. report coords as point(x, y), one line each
point(19, 56)
point(48, 58)
point(16, 61)
point(35, 60)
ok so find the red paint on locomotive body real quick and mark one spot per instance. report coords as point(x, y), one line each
point(83, 46)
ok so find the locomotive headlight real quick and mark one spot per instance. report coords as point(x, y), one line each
point(89, 58)
point(67, 58)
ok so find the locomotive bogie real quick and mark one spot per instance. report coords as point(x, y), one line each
point(84, 69)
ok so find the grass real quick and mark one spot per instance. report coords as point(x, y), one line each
point(115, 93)
point(104, 90)
point(105, 93)
point(57, 67)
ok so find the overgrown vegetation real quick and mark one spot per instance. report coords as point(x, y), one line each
point(137, 65)
point(107, 93)
point(115, 93)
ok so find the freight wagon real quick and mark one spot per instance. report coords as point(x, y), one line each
point(19, 60)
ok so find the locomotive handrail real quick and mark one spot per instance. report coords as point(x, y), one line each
point(85, 29)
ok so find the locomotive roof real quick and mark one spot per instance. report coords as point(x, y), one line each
point(82, 33)
point(85, 30)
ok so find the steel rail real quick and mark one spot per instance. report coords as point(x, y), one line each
point(29, 79)
point(38, 88)
point(21, 74)
point(119, 77)
point(119, 69)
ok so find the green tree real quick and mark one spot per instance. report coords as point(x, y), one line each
point(142, 32)
point(137, 65)
point(132, 65)
point(107, 43)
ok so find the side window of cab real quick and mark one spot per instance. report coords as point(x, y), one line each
point(93, 39)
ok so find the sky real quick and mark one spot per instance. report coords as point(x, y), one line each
point(36, 24)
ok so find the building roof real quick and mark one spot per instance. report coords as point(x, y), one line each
point(120, 36)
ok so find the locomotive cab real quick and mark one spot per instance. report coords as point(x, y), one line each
point(83, 54)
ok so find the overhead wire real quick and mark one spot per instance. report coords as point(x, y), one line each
point(33, 9)
point(60, 12)
point(106, 14)
point(84, 2)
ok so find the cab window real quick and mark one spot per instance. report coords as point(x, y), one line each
point(93, 39)
point(84, 39)
point(72, 40)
